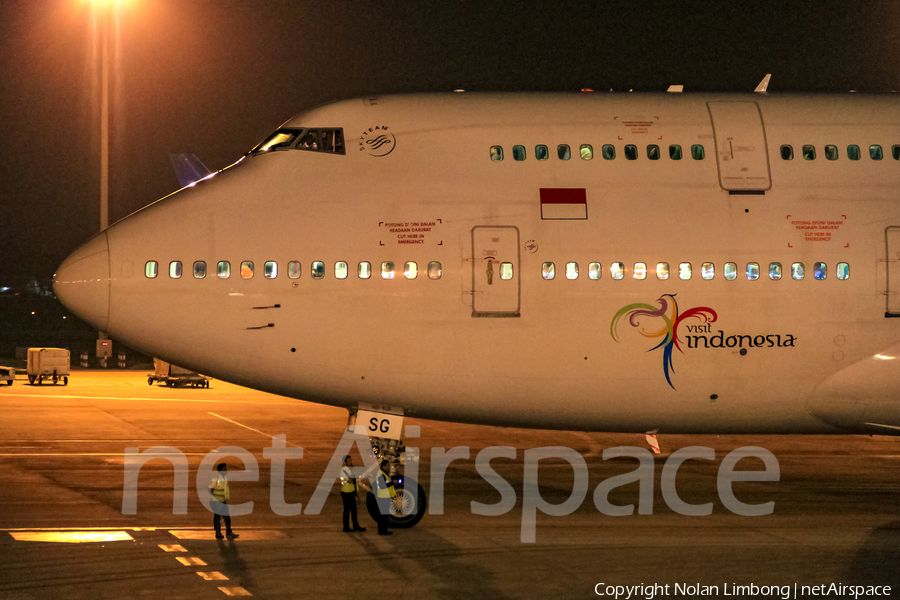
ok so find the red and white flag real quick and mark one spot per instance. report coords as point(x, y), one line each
point(563, 203)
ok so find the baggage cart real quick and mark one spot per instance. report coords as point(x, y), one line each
point(175, 376)
point(50, 364)
point(7, 374)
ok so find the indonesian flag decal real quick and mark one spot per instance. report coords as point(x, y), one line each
point(563, 203)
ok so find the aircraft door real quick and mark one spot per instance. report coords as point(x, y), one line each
point(495, 271)
point(892, 289)
point(741, 152)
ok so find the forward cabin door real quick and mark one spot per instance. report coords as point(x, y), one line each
point(741, 152)
point(495, 272)
point(892, 289)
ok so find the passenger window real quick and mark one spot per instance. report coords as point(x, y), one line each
point(831, 152)
point(675, 152)
point(843, 271)
point(797, 271)
point(707, 271)
point(247, 269)
point(548, 270)
point(730, 271)
point(653, 152)
point(341, 270)
point(875, 152)
point(199, 269)
point(662, 270)
point(151, 269)
point(270, 269)
point(631, 152)
point(697, 152)
point(541, 152)
point(519, 153)
point(752, 271)
point(318, 270)
point(617, 270)
point(506, 271)
point(294, 269)
point(608, 151)
point(410, 270)
point(434, 270)
point(640, 270)
point(853, 152)
point(820, 270)
point(775, 270)
point(787, 152)
point(387, 270)
point(809, 152)
point(496, 153)
point(572, 270)
point(175, 269)
point(563, 152)
point(587, 152)
point(895, 152)
point(364, 270)
point(594, 270)
point(223, 269)
point(684, 270)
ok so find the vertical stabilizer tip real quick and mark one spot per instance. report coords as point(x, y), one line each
point(764, 84)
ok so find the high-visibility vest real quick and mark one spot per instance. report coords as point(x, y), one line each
point(219, 487)
point(384, 485)
point(348, 483)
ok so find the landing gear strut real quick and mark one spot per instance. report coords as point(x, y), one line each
point(410, 502)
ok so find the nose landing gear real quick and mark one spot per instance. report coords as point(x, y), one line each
point(409, 503)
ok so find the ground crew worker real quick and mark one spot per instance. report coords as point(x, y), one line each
point(384, 496)
point(218, 489)
point(348, 496)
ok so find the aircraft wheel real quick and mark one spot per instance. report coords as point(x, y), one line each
point(149, 381)
point(65, 381)
point(408, 507)
point(9, 382)
point(31, 379)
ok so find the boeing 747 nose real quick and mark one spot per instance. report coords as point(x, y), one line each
point(82, 282)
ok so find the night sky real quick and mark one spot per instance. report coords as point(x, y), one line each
point(214, 77)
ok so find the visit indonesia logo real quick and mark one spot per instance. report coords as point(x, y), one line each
point(666, 320)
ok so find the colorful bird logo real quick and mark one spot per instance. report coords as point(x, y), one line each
point(668, 331)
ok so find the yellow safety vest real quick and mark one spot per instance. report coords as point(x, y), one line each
point(348, 484)
point(385, 488)
point(219, 487)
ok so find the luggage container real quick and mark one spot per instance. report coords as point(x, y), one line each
point(7, 374)
point(50, 364)
point(175, 376)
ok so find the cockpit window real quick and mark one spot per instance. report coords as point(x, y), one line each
point(311, 139)
point(280, 140)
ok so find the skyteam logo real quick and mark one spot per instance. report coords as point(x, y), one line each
point(662, 323)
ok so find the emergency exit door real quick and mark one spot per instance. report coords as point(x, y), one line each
point(741, 152)
point(892, 288)
point(495, 271)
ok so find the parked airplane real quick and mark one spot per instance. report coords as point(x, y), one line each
point(680, 263)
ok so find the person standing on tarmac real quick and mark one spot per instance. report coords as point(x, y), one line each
point(218, 489)
point(384, 495)
point(349, 497)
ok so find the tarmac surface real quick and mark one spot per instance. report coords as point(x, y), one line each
point(63, 534)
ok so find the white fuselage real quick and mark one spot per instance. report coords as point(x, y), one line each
point(523, 350)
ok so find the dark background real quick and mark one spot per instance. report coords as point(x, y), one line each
point(214, 77)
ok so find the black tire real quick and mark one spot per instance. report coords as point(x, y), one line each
point(65, 381)
point(413, 500)
point(31, 379)
point(149, 381)
point(9, 382)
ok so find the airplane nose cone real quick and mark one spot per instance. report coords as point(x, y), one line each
point(82, 282)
